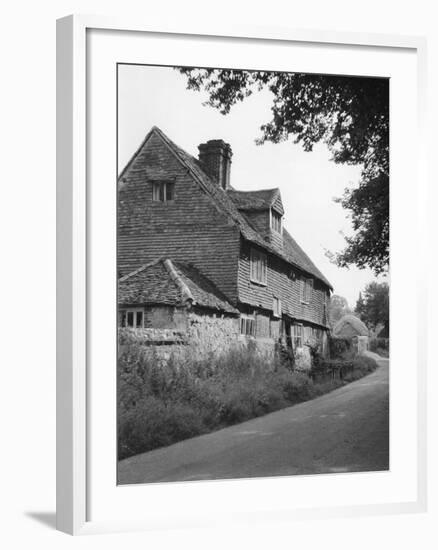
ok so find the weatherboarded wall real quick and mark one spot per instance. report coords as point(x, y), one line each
point(284, 283)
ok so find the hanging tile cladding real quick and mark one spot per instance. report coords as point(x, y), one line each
point(190, 228)
point(280, 285)
point(259, 219)
point(278, 204)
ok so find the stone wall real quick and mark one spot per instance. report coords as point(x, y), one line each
point(172, 330)
point(197, 333)
point(212, 333)
point(165, 317)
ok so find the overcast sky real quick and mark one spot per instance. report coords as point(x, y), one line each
point(308, 182)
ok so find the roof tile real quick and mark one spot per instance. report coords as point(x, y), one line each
point(171, 283)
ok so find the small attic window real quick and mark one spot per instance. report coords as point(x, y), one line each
point(162, 191)
point(276, 221)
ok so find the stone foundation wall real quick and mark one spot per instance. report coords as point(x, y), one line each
point(179, 330)
point(200, 334)
point(212, 333)
point(165, 318)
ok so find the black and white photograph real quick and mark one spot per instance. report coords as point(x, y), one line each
point(252, 273)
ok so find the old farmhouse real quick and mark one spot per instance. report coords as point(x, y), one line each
point(208, 262)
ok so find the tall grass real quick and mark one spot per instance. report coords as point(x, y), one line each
point(162, 402)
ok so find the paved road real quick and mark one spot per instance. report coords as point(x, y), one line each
point(346, 430)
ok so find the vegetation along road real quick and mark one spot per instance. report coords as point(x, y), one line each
point(346, 430)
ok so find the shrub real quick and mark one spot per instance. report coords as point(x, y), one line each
point(162, 402)
point(380, 346)
point(297, 387)
point(340, 348)
point(153, 423)
point(362, 365)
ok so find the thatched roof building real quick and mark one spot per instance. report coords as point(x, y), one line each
point(349, 326)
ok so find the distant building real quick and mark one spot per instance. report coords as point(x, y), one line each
point(189, 244)
point(349, 326)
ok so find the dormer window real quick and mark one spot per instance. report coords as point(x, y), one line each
point(162, 191)
point(276, 221)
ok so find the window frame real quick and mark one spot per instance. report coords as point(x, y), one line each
point(296, 336)
point(274, 215)
point(124, 317)
point(276, 312)
point(261, 258)
point(160, 189)
point(243, 321)
point(306, 290)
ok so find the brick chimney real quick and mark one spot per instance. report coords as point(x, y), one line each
point(215, 157)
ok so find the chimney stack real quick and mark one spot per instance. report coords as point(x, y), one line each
point(215, 157)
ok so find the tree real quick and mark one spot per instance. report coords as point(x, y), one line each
point(349, 114)
point(373, 307)
point(338, 307)
point(360, 306)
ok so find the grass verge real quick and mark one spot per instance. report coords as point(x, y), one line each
point(160, 403)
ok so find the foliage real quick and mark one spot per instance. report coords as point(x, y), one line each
point(362, 365)
point(351, 115)
point(338, 307)
point(340, 348)
point(162, 402)
point(360, 306)
point(373, 307)
point(345, 370)
point(285, 355)
point(380, 346)
point(369, 211)
point(315, 352)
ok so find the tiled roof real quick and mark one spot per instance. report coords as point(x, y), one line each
point(171, 283)
point(291, 253)
point(254, 200)
point(297, 256)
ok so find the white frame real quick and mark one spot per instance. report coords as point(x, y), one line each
point(247, 317)
point(134, 310)
point(72, 257)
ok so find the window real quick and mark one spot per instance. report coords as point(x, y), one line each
point(132, 318)
point(306, 290)
point(258, 267)
point(162, 191)
point(298, 336)
point(275, 221)
point(247, 325)
point(276, 307)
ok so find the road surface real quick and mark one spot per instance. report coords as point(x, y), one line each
point(346, 430)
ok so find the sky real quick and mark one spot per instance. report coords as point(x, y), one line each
point(308, 181)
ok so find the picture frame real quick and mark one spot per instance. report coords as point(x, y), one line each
point(75, 383)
